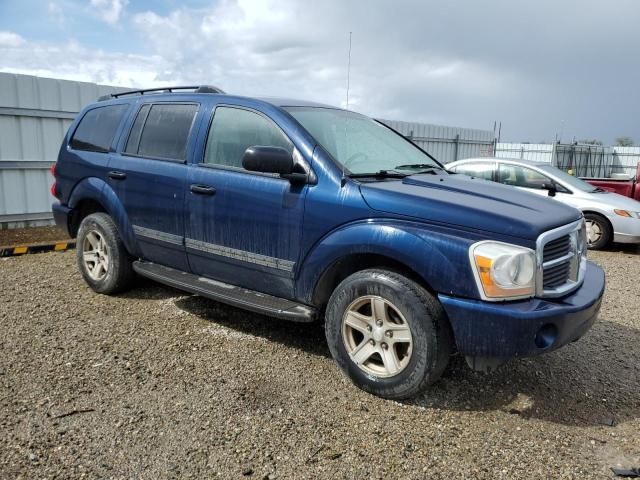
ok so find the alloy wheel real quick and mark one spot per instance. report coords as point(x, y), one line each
point(95, 255)
point(376, 336)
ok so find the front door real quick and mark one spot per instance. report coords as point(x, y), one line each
point(243, 228)
point(149, 178)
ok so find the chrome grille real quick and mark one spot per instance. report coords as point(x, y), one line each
point(561, 260)
point(557, 248)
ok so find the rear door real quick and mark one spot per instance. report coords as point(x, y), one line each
point(243, 228)
point(149, 177)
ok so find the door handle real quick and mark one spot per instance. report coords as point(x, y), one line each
point(117, 175)
point(203, 189)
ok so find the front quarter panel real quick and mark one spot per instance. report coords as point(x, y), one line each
point(438, 255)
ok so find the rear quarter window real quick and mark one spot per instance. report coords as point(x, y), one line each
point(97, 128)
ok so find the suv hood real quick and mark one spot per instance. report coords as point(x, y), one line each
point(457, 199)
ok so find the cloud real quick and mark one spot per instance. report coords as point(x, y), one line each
point(11, 40)
point(538, 67)
point(109, 10)
point(73, 61)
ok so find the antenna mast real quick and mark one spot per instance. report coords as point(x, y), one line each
point(349, 69)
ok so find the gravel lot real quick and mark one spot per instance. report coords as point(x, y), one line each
point(159, 384)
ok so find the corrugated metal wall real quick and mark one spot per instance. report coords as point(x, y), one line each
point(35, 113)
point(446, 144)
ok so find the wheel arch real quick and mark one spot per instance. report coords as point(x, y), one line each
point(92, 195)
point(426, 256)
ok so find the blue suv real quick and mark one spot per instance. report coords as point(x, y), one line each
point(304, 211)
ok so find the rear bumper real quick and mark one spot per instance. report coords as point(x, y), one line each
point(61, 216)
point(525, 328)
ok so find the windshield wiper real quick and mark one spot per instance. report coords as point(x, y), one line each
point(420, 166)
point(598, 190)
point(380, 174)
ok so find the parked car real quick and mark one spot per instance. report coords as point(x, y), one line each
point(303, 211)
point(627, 187)
point(609, 217)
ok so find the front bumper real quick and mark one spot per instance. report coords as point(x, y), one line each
point(61, 216)
point(528, 327)
point(625, 229)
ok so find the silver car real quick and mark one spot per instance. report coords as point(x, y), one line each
point(609, 216)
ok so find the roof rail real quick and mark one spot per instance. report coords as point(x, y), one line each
point(195, 88)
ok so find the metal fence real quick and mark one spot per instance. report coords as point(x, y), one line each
point(447, 144)
point(35, 113)
point(583, 160)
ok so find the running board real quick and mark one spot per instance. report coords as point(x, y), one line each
point(225, 293)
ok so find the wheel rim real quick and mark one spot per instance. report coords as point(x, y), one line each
point(95, 255)
point(376, 336)
point(594, 232)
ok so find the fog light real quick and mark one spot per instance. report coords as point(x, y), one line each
point(546, 336)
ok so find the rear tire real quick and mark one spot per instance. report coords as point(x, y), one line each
point(387, 333)
point(102, 257)
point(598, 231)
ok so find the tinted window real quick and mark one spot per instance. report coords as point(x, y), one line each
point(233, 130)
point(165, 132)
point(97, 128)
point(134, 137)
point(479, 170)
point(518, 176)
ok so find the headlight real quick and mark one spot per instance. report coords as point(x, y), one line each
point(503, 271)
point(627, 213)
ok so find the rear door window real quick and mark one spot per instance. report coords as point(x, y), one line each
point(162, 131)
point(479, 170)
point(97, 128)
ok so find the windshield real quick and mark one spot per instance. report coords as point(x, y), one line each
point(360, 144)
point(570, 180)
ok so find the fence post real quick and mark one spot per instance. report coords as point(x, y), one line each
point(456, 141)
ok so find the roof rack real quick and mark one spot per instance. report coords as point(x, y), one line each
point(195, 88)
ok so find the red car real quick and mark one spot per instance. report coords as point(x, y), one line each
point(623, 186)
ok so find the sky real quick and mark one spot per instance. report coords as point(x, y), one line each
point(544, 69)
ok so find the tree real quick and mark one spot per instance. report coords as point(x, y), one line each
point(592, 141)
point(624, 141)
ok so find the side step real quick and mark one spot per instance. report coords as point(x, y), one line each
point(225, 293)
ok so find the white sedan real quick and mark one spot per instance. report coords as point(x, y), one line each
point(609, 216)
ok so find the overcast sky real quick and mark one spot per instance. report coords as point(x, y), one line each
point(542, 67)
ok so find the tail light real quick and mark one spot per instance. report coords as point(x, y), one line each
point(54, 185)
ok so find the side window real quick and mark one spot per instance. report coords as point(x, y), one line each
point(480, 170)
point(518, 176)
point(161, 131)
point(97, 128)
point(233, 130)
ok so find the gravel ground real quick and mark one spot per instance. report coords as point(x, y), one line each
point(159, 384)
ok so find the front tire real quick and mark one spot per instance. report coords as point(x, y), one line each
point(598, 231)
point(387, 333)
point(102, 258)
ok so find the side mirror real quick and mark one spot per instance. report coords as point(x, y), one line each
point(268, 160)
point(551, 188)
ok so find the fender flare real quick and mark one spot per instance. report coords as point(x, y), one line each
point(438, 257)
point(93, 188)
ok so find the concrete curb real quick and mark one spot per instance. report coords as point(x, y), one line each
point(36, 248)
